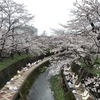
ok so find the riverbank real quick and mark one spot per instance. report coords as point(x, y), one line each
point(57, 87)
point(17, 88)
point(9, 61)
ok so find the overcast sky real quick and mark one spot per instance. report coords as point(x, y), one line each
point(48, 13)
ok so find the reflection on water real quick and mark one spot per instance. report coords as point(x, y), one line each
point(41, 88)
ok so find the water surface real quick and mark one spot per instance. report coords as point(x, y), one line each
point(40, 89)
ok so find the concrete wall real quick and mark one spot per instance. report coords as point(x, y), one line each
point(25, 88)
point(7, 73)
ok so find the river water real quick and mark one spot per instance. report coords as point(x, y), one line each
point(40, 89)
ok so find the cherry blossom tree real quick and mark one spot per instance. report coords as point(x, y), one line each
point(12, 16)
point(86, 22)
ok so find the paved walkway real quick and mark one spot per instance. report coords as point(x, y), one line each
point(9, 91)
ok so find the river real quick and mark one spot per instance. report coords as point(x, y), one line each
point(40, 89)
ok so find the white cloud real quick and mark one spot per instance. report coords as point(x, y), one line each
point(48, 13)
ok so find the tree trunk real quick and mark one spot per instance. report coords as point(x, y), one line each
point(82, 72)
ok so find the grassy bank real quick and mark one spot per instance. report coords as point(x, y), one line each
point(56, 87)
point(8, 61)
point(94, 70)
point(42, 69)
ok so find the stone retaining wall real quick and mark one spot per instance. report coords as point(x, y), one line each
point(25, 88)
point(7, 73)
point(68, 93)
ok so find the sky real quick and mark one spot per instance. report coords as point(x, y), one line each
point(48, 13)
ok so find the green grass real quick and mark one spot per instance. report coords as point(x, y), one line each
point(69, 96)
point(82, 62)
point(43, 69)
point(56, 87)
point(93, 70)
point(8, 61)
